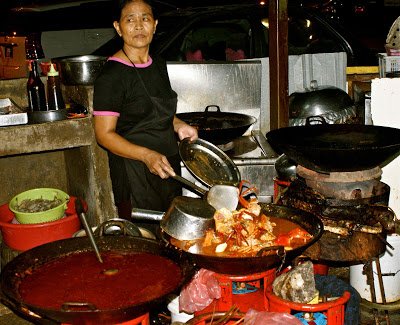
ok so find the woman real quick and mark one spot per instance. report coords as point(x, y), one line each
point(134, 116)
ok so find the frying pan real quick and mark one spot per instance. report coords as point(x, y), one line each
point(249, 265)
point(33, 258)
point(216, 126)
point(337, 147)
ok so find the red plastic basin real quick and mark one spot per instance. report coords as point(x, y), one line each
point(22, 237)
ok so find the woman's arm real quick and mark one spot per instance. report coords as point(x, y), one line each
point(104, 127)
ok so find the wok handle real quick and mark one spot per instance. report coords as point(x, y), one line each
point(149, 215)
point(216, 106)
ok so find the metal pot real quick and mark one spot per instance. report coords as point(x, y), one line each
point(216, 126)
point(331, 103)
point(187, 218)
point(79, 70)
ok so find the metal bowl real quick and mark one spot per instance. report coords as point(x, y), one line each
point(79, 70)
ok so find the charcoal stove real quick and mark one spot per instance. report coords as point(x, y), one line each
point(352, 207)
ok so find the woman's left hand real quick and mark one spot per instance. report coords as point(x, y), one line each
point(184, 130)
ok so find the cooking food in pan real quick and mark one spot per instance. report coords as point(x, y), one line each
point(246, 232)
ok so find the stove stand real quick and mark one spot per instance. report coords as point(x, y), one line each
point(352, 207)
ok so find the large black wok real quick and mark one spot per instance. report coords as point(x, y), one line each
point(31, 259)
point(337, 147)
point(218, 127)
point(250, 265)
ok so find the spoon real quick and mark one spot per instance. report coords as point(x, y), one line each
point(88, 230)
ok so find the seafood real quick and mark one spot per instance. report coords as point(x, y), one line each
point(246, 231)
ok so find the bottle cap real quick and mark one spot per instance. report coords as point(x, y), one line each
point(52, 72)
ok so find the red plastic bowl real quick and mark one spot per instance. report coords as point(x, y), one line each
point(22, 237)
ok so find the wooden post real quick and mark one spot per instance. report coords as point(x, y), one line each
point(278, 64)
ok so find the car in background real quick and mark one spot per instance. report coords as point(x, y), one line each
point(215, 32)
point(240, 31)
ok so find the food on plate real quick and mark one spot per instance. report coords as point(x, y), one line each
point(246, 231)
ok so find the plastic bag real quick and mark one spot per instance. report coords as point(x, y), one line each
point(254, 317)
point(200, 292)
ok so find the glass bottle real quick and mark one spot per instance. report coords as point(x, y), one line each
point(54, 96)
point(36, 90)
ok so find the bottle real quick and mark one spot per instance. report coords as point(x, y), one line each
point(36, 91)
point(54, 96)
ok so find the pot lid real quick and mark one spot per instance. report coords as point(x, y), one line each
point(208, 163)
point(318, 100)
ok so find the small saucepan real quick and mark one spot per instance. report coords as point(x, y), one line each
point(187, 218)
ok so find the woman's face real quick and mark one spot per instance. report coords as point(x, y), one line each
point(137, 24)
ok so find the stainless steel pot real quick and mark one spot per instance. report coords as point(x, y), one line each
point(187, 218)
point(79, 70)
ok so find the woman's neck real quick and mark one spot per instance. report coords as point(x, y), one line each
point(136, 56)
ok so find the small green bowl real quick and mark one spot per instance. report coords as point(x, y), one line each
point(49, 215)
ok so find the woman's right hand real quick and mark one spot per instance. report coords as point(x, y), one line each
point(158, 164)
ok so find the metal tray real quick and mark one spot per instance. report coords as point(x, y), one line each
point(208, 163)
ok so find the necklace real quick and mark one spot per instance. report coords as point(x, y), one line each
point(123, 51)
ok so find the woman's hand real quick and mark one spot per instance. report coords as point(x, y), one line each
point(184, 130)
point(158, 164)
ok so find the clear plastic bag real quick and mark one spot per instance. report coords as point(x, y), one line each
point(200, 292)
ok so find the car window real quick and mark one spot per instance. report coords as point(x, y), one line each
point(212, 40)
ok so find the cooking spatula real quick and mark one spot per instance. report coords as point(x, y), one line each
point(218, 196)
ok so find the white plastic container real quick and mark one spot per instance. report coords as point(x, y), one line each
point(390, 265)
point(176, 316)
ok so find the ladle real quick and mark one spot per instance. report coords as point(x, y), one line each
point(218, 196)
point(88, 230)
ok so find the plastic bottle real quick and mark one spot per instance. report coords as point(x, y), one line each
point(54, 96)
point(35, 89)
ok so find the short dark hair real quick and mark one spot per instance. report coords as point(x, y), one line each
point(119, 5)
